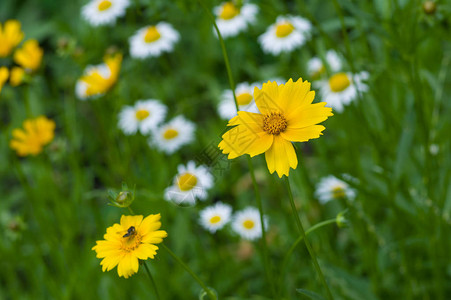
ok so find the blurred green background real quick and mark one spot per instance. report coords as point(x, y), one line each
point(54, 206)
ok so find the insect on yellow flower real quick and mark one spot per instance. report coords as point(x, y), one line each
point(36, 134)
point(286, 115)
point(129, 241)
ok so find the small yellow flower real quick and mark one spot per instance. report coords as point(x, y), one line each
point(29, 56)
point(129, 241)
point(101, 80)
point(4, 73)
point(17, 76)
point(286, 115)
point(10, 37)
point(36, 134)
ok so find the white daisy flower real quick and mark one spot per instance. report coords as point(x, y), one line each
point(104, 12)
point(342, 88)
point(244, 96)
point(81, 88)
point(287, 34)
point(247, 223)
point(153, 40)
point(173, 135)
point(232, 19)
point(215, 217)
point(316, 68)
point(144, 116)
point(330, 188)
point(189, 184)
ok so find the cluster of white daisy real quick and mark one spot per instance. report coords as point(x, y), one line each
point(331, 188)
point(246, 223)
point(146, 117)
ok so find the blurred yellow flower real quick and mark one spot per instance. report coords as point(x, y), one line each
point(29, 56)
point(4, 73)
point(17, 76)
point(286, 115)
point(36, 134)
point(10, 36)
point(129, 241)
point(98, 80)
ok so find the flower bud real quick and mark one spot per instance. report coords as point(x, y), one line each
point(341, 219)
point(429, 7)
point(122, 199)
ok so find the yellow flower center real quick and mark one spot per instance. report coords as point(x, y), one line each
point(229, 11)
point(170, 134)
point(187, 182)
point(130, 243)
point(248, 224)
point(274, 123)
point(152, 34)
point(244, 99)
point(215, 219)
point(339, 82)
point(338, 192)
point(104, 5)
point(142, 114)
point(284, 29)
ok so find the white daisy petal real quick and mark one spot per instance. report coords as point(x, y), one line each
point(215, 217)
point(244, 93)
point(173, 135)
point(330, 188)
point(247, 223)
point(231, 20)
point(144, 116)
point(104, 12)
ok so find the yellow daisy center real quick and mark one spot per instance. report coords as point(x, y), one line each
point(104, 5)
point(142, 114)
point(248, 224)
point(215, 219)
point(274, 123)
point(244, 99)
point(130, 243)
point(338, 192)
point(229, 11)
point(187, 181)
point(284, 29)
point(339, 82)
point(152, 34)
point(170, 134)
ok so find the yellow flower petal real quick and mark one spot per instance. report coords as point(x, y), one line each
point(267, 97)
point(303, 134)
point(145, 251)
point(292, 96)
point(310, 115)
point(281, 156)
point(150, 223)
point(155, 237)
point(128, 221)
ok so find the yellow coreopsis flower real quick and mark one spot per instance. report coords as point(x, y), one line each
point(129, 241)
point(286, 115)
point(4, 73)
point(17, 76)
point(36, 134)
point(10, 37)
point(29, 56)
point(99, 79)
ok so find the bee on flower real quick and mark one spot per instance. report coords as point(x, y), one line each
point(151, 41)
point(244, 98)
point(189, 184)
point(126, 243)
point(247, 224)
point(10, 36)
point(331, 188)
point(287, 34)
point(286, 115)
point(215, 217)
point(316, 68)
point(36, 133)
point(99, 79)
point(144, 116)
point(29, 56)
point(171, 136)
point(104, 12)
point(232, 19)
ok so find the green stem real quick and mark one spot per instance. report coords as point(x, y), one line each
point(151, 280)
point(306, 241)
point(209, 292)
point(251, 168)
point(307, 232)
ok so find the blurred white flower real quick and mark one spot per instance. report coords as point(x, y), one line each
point(232, 19)
point(247, 223)
point(244, 96)
point(173, 135)
point(316, 67)
point(215, 217)
point(104, 12)
point(287, 34)
point(144, 116)
point(153, 40)
point(330, 188)
point(189, 184)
